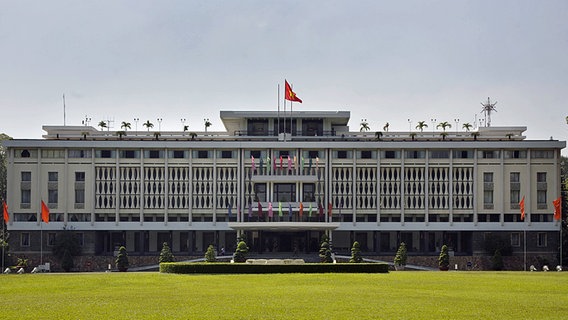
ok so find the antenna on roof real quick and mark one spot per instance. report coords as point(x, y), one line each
point(487, 108)
point(64, 109)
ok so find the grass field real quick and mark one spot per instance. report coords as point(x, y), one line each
point(397, 295)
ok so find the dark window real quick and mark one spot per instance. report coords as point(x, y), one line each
point(439, 154)
point(260, 192)
point(202, 154)
point(25, 154)
point(79, 196)
point(79, 176)
point(52, 196)
point(463, 154)
point(179, 154)
point(154, 154)
point(366, 154)
point(226, 154)
point(255, 153)
point(284, 192)
point(284, 153)
point(341, 154)
point(390, 154)
point(52, 176)
point(313, 154)
point(107, 153)
point(26, 196)
point(26, 176)
point(309, 190)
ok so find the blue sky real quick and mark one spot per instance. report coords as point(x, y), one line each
point(385, 61)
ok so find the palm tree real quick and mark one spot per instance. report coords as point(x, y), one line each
point(207, 124)
point(413, 135)
point(120, 134)
point(475, 135)
point(157, 135)
point(444, 135)
point(444, 125)
point(102, 124)
point(185, 128)
point(364, 126)
point(467, 126)
point(421, 125)
point(193, 135)
point(148, 124)
point(386, 127)
point(125, 125)
point(378, 135)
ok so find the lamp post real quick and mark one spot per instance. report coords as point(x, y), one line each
point(409, 125)
point(86, 121)
point(457, 121)
point(207, 123)
point(136, 123)
point(433, 120)
point(159, 124)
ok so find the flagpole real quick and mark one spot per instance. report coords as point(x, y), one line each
point(3, 240)
point(525, 240)
point(284, 112)
point(41, 242)
point(278, 129)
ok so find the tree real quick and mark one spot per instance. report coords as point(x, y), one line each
point(444, 125)
point(102, 124)
point(122, 259)
point(475, 135)
point(125, 125)
point(413, 136)
point(210, 254)
point(241, 252)
point(421, 125)
point(386, 127)
point(166, 253)
point(356, 253)
point(120, 134)
point(401, 255)
point(467, 126)
point(443, 135)
point(378, 135)
point(157, 135)
point(193, 135)
point(444, 259)
point(325, 250)
point(185, 128)
point(148, 125)
point(207, 124)
point(497, 261)
point(66, 247)
point(364, 126)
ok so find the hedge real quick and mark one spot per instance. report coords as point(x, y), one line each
point(236, 268)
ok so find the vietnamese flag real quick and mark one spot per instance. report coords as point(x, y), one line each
point(522, 207)
point(289, 94)
point(44, 212)
point(329, 207)
point(557, 208)
point(301, 211)
point(6, 215)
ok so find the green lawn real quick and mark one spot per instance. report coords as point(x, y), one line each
point(397, 295)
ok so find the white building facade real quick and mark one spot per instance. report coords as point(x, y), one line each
point(281, 183)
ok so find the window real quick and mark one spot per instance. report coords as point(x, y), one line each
point(515, 154)
point(515, 239)
point(541, 190)
point(366, 154)
point(308, 192)
point(515, 189)
point(51, 239)
point(313, 154)
point(463, 154)
point(341, 154)
point(284, 192)
point(541, 239)
point(128, 154)
point(255, 153)
point(52, 196)
point(52, 176)
point(79, 153)
point(25, 239)
point(415, 154)
point(543, 154)
point(26, 196)
point(488, 190)
point(79, 196)
point(105, 153)
point(25, 154)
point(79, 176)
point(202, 154)
point(489, 154)
point(439, 154)
point(260, 192)
point(391, 154)
point(52, 153)
point(226, 154)
point(178, 154)
point(154, 154)
point(26, 176)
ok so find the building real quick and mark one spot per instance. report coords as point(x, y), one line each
point(281, 183)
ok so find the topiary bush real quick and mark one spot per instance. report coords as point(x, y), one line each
point(444, 259)
point(210, 254)
point(401, 255)
point(241, 252)
point(325, 251)
point(356, 253)
point(122, 259)
point(166, 254)
point(497, 261)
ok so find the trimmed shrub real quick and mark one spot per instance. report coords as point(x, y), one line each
point(166, 254)
point(497, 261)
point(240, 254)
point(444, 259)
point(401, 255)
point(356, 253)
point(210, 254)
point(122, 259)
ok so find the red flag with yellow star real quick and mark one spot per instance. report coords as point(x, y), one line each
point(289, 94)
